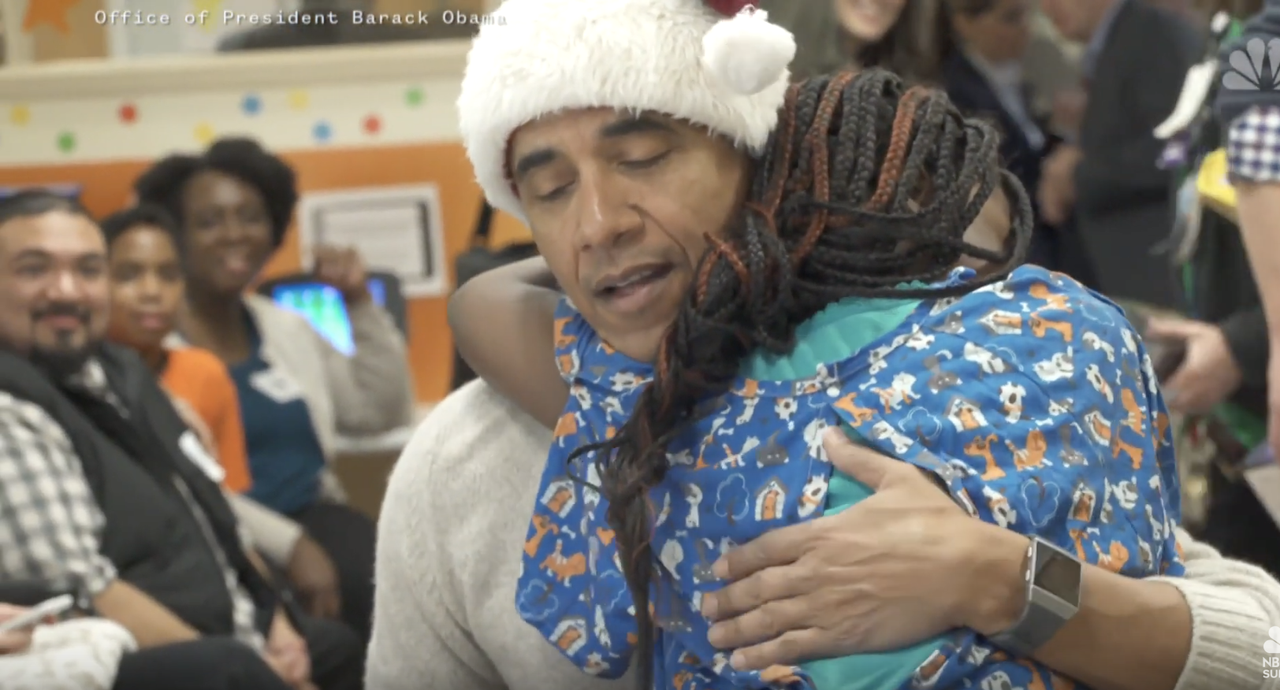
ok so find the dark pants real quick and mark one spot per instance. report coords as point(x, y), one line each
point(221, 663)
point(347, 536)
point(1239, 526)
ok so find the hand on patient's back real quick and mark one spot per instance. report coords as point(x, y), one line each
point(884, 574)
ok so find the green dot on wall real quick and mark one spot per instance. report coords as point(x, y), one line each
point(66, 142)
point(413, 97)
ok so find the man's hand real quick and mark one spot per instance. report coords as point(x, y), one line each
point(287, 654)
point(14, 642)
point(1057, 193)
point(315, 580)
point(891, 571)
point(1208, 374)
point(343, 268)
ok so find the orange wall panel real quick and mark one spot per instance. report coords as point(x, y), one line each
point(107, 187)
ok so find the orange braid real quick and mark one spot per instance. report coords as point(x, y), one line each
point(817, 142)
point(896, 157)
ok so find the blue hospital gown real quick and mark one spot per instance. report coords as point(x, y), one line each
point(1032, 399)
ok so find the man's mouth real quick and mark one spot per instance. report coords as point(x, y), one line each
point(631, 290)
point(62, 318)
point(632, 280)
point(63, 321)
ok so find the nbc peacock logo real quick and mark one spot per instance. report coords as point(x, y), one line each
point(1272, 646)
point(1255, 67)
point(1271, 663)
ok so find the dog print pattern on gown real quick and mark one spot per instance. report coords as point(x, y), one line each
point(1032, 399)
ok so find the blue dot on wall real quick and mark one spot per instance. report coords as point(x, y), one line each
point(252, 104)
point(322, 131)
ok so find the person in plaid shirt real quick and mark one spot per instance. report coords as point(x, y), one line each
point(56, 518)
point(1249, 106)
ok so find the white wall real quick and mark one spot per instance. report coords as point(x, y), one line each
point(285, 99)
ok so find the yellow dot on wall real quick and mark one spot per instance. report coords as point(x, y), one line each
point(205, 11)
point(20, 115)
point(299, 100)
point(204, 133)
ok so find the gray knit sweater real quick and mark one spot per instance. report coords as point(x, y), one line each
point(449, 545)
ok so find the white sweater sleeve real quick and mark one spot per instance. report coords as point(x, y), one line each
point(1233, 605)
point(450, 549)
point(418, 641)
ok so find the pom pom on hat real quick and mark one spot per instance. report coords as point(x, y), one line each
point(747, 53)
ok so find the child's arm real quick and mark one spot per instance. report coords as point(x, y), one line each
point(503, 325)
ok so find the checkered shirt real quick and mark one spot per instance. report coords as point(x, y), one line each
point(1253, 145)
point(50, 523)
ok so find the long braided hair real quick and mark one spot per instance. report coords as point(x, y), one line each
point(863, 187)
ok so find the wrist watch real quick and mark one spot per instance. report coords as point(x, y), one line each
point(1052, 577)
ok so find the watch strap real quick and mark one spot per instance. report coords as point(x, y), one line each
point(1044, 613)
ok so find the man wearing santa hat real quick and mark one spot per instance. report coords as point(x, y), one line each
point(557, 76)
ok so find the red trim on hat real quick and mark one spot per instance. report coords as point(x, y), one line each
point(730, 8)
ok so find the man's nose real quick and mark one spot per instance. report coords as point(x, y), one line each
point(605, 214)
point(66, 285)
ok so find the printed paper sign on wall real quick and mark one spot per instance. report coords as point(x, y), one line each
point(395, 229)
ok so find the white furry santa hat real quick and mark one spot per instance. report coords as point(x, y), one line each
point(716, 63)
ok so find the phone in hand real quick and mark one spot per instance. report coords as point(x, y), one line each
point(50, 608)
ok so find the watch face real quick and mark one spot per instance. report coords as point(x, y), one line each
point(1058, 574)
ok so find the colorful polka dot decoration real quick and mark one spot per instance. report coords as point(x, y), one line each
point(127, 113)
point(299, 100)
point(322, 132)
point(204, 133)
point(213, 8)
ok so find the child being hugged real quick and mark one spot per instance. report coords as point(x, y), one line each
point(832, 297)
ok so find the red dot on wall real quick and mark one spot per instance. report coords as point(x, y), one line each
point(372, 125)
point(128, 113)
